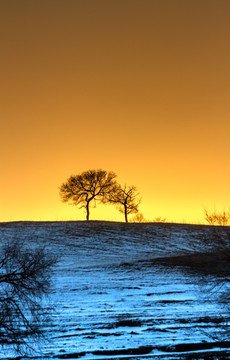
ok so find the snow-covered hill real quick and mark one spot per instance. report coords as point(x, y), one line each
point(114, 298)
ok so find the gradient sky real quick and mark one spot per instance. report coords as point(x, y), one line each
point(139, 87)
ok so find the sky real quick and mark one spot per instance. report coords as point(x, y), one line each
point(138, 87)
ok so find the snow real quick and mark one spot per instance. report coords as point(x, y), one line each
point(110, 295)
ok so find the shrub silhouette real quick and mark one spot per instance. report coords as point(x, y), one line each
point(159, 219)
point(217, 218)
point(139, 218)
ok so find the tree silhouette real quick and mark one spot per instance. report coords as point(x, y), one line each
point(91, 185)
point(25, 277)
point(126, 199)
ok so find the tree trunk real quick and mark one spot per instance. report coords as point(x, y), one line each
point(126, 215)
point(87, 211)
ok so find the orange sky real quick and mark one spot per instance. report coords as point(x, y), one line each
point(139, 87)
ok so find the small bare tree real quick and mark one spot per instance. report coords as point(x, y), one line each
point(25, 277)
point(126, 199)
point(91, 185)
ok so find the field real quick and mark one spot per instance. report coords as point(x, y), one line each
point(133, 291)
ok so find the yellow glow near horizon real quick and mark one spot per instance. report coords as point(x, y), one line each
point(139, 88)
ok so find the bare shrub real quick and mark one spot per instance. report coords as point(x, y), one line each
point(138, 218)
point(159, 219)
point(214, 217)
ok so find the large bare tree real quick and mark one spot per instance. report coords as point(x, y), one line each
point(90, 186)
point(126, 199)
point(25, 277)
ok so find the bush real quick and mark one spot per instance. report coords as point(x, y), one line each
point(217, 218)
point(138, 218)
point(159, 219)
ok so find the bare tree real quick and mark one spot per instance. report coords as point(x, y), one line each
point(126, 199)
point(25, 277)
point(91, 185)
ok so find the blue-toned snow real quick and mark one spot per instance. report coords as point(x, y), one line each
point(108, 294)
